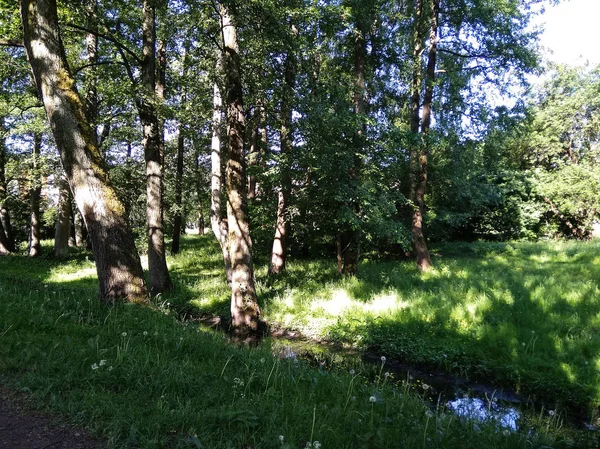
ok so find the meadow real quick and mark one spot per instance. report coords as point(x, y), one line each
point(522, 316)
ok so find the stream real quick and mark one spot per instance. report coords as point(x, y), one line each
point(474, 401)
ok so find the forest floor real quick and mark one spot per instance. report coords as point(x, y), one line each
point(23, 427)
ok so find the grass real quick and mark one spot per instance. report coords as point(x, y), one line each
point(140, 378)
point(525, 316)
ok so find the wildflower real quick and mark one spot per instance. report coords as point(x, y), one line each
point(95, 366)
point(387, 374)
point(352, 372)
point(425, 387)
point(316, 445)
point(551, 412)
point(262, 360)
point(102, 362)
point(145, 333)
point(429, 414)
point(383, 359)
point(372, 399)
point(110, 368)
point(124, 334)
point(281, 438)
point(506, 432)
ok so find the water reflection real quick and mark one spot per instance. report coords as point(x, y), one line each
point(485, 411)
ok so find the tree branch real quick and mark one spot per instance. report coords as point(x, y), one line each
point(11, 43)
point(108, 37)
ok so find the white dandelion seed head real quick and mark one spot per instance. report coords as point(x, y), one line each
point(281, 438)
point(429, 414)
point(551, 412)
point(387, 374)
point(145, 333)
point(372, 399)
point(352, 372)
point(124, 334)
point(506, 432)
point(316, 445)
point(383, 359)
point(425, 387)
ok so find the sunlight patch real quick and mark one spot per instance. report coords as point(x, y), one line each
point(89, 272)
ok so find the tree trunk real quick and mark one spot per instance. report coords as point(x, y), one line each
point(63, 218)
point(160, 280)
point(91, 83)
point(178, 192)
point(217, 223)
point(118, 265)
point(350, 237)
point(79, 228)
point(177, 217)
point(245, 311)
point(7, 243)
point(253, 156)
point(199, 193)
point(279, 250)
point(34, 249)
point(420, 245)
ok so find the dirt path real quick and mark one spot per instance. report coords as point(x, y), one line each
point(21, 427)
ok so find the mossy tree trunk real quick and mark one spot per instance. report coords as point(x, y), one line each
point(118, 265)
point(245, 311)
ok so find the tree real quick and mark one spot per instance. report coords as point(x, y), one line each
point(34, 247)
point(160, 280)
point(245, 311)
point(118, 266)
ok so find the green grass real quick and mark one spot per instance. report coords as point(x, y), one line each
point(141, 378)
point(522, 315)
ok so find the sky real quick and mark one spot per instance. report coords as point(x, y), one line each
point(571, 31)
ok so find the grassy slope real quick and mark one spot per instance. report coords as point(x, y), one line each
point(167, 385)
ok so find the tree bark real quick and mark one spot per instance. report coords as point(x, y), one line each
point(160, 280)
point(34, 249)
point(118, 266)
point(279, 249)
point(63, 218)
point(245, 311)
point(217, 222)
